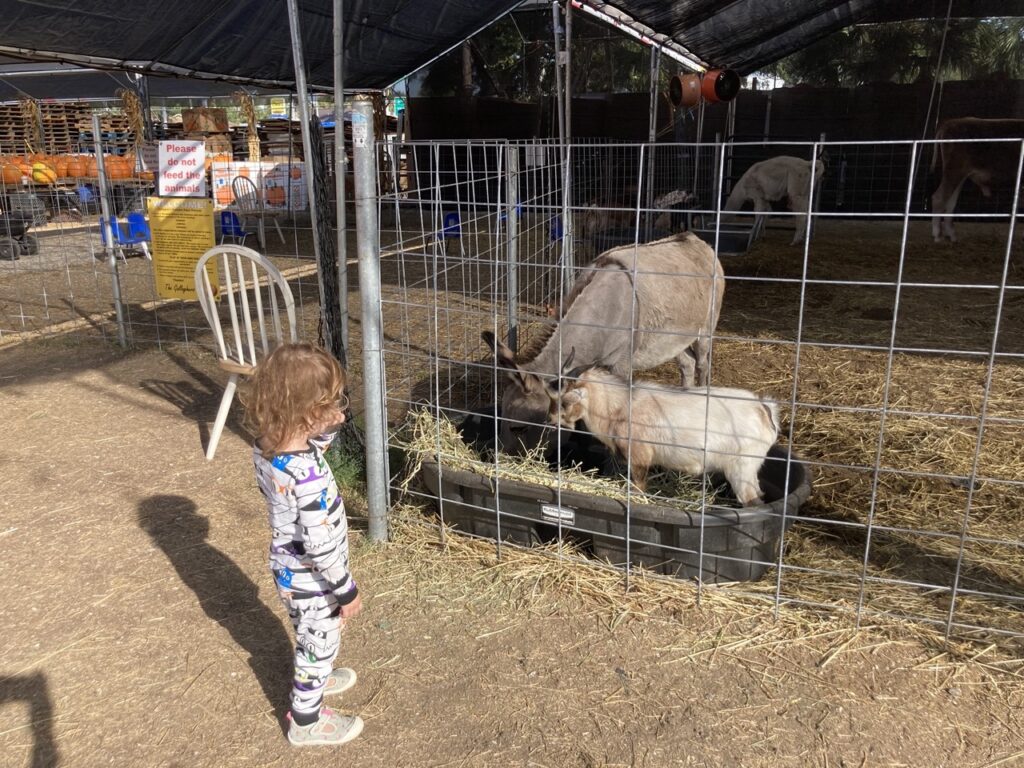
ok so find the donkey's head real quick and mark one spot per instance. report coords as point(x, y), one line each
point(524, 403)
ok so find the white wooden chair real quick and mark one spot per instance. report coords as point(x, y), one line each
point(252, 291)
point(249, 203)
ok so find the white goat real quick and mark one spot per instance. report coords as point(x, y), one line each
point(709, 429)
point(774, 179)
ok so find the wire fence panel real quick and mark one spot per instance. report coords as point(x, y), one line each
point(894, 362)
point(55, 276)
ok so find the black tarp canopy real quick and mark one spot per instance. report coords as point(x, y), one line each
point(248, 42)
point(54, 81)
point(243, 41)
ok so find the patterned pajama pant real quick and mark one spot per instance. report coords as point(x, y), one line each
point(317, 623)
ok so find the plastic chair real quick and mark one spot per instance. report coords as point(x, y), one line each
point(136, 233)
point(230, 226)
point(253, 292)
point(250, 203)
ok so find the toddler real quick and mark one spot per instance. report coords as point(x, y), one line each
point(295, 406)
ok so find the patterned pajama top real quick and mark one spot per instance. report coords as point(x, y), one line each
point(309, 544)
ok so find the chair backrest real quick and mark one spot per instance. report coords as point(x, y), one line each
point(252, 291)
point(247, 195)
point(230, 225)
point(138, 227)
point(118, 231)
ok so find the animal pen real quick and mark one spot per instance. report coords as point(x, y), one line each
point(896, 363)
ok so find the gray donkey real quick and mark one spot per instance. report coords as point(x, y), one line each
point(678, 283)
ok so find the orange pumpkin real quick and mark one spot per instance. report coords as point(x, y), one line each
point(117, 168)
point(244, 171)
point(11, 174)
point(275, 195)
point(224, 195)
point(60, 165)
point(75, 167)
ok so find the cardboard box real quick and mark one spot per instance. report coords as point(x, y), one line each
point(205, 120)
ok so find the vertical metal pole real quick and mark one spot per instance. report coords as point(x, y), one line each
point(108, 234)
point(307, 142)
point(569, 268)
point(696, 149)
point(568, 70)
point(652, 137)
point(716, 182)
point(364, 160)
point(730, 137)
point(559, 93)
point(340, 164)
point(768, 116)
point(512, 229)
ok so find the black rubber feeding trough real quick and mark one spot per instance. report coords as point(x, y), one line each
point(721, 544)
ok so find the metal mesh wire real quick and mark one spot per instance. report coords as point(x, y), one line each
point(896, 361)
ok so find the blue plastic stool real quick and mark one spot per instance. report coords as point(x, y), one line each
point(556, 230)
point(452, 225)
point(231, 227)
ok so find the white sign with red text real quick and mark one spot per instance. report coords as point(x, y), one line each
point(182, 169)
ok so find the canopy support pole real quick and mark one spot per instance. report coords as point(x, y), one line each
point(340, 165)
point(108, 234)
point(364, 168)
point(568, 265)
point(307, 144)
point(652, 138)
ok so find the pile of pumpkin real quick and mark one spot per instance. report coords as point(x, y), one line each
point(47, 169)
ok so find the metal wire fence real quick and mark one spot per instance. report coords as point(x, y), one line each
point(55, 274)
point(896, 363)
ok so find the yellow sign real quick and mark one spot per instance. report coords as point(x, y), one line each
point(182, 231)
point(278, 106)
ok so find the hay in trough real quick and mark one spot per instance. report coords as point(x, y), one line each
point(438, 439)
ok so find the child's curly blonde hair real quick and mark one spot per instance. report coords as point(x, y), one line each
point(293, 389)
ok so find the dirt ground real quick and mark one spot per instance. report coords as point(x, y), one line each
point(141, 627)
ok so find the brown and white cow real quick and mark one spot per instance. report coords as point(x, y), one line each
point(987, 164)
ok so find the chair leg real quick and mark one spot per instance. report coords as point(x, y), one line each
point(222, 416)
point(145, 250)
point(260, 234)
point(279, 232)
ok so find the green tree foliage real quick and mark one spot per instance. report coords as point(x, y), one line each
point(906, 52)
point(514, 58)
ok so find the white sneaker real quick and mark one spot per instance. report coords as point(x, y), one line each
point(339, 681)
point(331, 728)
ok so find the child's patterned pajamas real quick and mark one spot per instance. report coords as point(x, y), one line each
point(309, 560)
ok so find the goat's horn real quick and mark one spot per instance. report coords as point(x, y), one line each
point(578, 371)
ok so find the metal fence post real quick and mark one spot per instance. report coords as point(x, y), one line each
point(364, 160)
point(512, 230)
point(302, 94)
point(108, 234)
point(340, 164)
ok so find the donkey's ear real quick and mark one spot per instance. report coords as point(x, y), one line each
point(504, 355)
point(568, 360)
point(507, 360)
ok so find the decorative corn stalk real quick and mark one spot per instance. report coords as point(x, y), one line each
point(134, 112)
point(33, 125)
point(245, 103)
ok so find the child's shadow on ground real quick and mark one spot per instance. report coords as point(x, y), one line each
point(226, 594)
